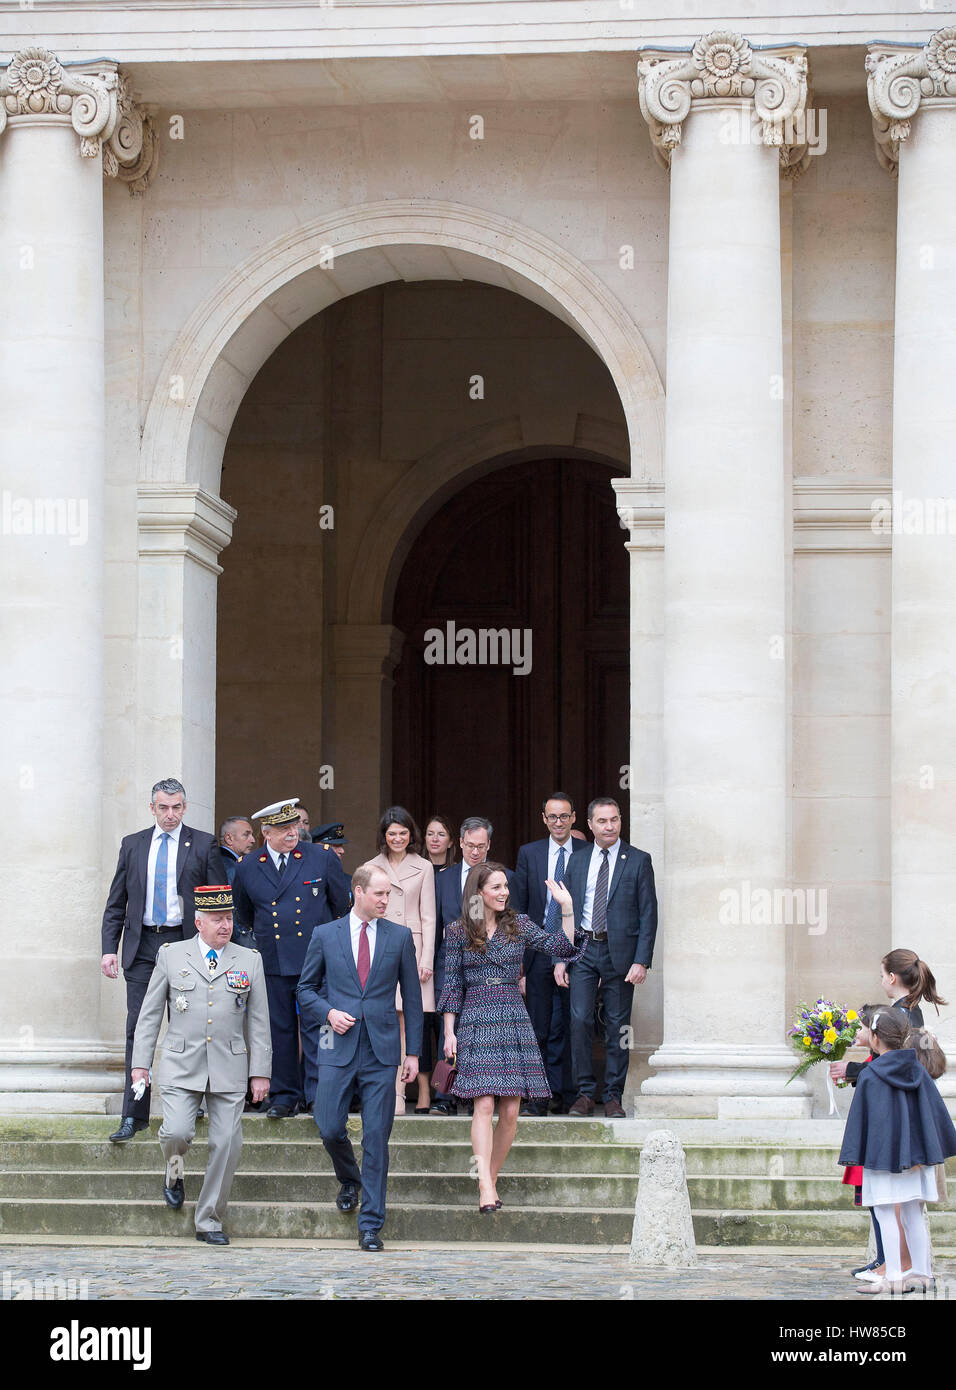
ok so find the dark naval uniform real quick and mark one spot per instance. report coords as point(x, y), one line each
point(282, 914)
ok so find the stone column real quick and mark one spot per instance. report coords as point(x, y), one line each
point(364, 658)
point(722, 116)
point(913, 99)
point(182, 530)
point(60, 128)
point(640, 507)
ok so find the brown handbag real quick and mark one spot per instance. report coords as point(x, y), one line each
point(443, 1076)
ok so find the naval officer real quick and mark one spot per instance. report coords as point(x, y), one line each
point(281, 894)
point(216, 1043)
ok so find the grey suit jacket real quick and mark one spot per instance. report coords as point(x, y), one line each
point(223, 1053)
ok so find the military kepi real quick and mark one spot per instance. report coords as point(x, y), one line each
point(279, 813)
point(216, 897)
point(331, 834)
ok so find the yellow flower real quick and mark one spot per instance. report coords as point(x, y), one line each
point(852, 1015)
point(806, 1040)
point(827, 1016)
point(830, 1035)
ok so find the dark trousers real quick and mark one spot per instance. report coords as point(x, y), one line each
point(549, 1008)
point(593, 969)
point(137, 978)
point(376, 1085)
point(293, 1078)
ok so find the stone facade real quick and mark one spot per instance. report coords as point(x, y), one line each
point(679, 245)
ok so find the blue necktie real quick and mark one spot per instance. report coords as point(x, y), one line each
point(160, 886)
point(553, 915)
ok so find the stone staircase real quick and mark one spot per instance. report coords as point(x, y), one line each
point(567, 1182)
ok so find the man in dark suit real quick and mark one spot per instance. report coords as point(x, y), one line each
point(151, 903)
point(236, 839)
point(615, 904)
point(474, 839)
point(281, 895)
point(538, 861)
point(347, 990)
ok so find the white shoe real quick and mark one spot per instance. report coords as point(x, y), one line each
point(869, 1276)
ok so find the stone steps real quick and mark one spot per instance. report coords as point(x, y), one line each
point(568, 1182)
point(541, 1188)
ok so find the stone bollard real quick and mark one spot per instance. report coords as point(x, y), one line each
point(663, 1235)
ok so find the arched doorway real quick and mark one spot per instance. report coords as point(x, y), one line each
point(489, 725)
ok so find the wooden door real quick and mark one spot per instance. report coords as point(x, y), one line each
point(537, 548)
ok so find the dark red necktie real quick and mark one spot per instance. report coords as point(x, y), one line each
point(365, 957)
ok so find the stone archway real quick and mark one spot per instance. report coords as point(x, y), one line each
point(184, 523)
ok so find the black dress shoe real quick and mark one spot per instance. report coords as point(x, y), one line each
point(213, 1237)
point(347, 1199)
point(127, 1129)
point(443, 1107)
point(174, 1196)
point(532, 1109)
point(371, 1240)
point(279, 1112)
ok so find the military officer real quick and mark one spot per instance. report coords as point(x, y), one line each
point(217, 1042)
point(281, 894)
point(331, 836)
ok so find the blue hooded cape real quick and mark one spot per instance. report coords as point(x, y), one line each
point(898, 1118)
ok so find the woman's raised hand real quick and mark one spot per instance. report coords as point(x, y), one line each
point(559, 892)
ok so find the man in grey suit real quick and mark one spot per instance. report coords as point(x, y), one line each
point(218, 1041)
point(347, 989)
point(615, 904)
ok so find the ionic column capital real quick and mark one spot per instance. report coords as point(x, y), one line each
point(95, 98)
point(900, 79)
point(722, 66)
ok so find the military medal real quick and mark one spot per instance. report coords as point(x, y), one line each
point(312, 883)
point(181, 1004)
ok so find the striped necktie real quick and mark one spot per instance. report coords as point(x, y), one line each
point(599, 907)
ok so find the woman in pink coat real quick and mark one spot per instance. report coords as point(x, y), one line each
point(412, 902)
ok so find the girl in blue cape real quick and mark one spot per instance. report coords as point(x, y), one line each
point(898, 1129)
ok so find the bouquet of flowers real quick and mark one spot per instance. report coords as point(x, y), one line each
point(822, 1033)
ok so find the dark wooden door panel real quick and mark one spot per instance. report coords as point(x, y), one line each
point(535, 547)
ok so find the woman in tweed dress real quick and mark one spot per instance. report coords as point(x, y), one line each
point(495, 1046)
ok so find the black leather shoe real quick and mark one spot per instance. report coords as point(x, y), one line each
point(127, 1129)
point(174, 1196)
point(531, 1109)
point(443, 1107)
point(347, 1199)
point(279, 1112)
point(371, 1240)
point(213, 1237)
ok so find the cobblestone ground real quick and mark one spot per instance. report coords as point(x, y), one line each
point(273, 1270)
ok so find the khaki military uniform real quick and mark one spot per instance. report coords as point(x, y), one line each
point(218, 1037)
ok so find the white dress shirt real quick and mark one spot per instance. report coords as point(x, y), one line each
point(275, 857)
point(355, 928)
point(174, 911)
point(594, 869)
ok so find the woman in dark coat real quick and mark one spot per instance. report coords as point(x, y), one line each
point(897, 1130)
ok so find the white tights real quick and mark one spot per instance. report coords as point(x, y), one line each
point(917, 1238)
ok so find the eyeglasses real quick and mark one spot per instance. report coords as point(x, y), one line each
point(565, 815)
